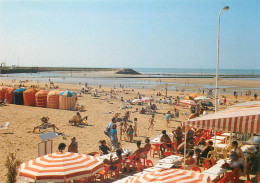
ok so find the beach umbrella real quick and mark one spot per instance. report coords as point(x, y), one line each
point(60, 167)
point(136, 101)
point(193, 95)
point(243, 118)
point(187, 97)
point(147, 99)
point(170, 176)
point(188, 102)
point(202, 98)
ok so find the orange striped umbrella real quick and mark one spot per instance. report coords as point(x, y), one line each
point(188, 102)
point(170, 176)
point(60, 167)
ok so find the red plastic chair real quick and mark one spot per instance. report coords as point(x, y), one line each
point(205, 166)
point(149, 163)
point(156, 149)
point(103, 174)
point(212, 161)
point(231, 177)
point(167, 154)
point(115, 172)
point(131, 161)
point(139, 167)
point(144, 157)
point(258, 177)
point(197, 139)
point(208, 162)
point(247, 170)
point(196, 169)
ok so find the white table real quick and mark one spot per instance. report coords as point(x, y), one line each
point(227, 134)
point(107, 156)
point(163, 165)
point(219, 137)
point(151, 169)
point(156, 140)
point(221, 146)
point(216, 170)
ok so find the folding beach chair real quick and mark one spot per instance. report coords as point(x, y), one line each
point(44, 127)
point(5, 127)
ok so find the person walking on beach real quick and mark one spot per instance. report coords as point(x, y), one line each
point(130, 132)
point(135, 127)
point(167, 118)
point(151, 121)
point(255, 96)
point(113, 136)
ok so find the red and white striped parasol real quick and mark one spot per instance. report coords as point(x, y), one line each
point(188, 102)
point(60, 167)
point(170, 176)
point(243, 118)
point(147, 99)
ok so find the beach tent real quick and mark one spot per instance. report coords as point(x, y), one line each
point(169, 176)
point(60, 167)
point(41, 98)
point(18, 96)
point(67, 100)
point(193, 95)
point(29, 97)
point(9, 95)
point(53, 99)
point(187, 97)
point(2, 92)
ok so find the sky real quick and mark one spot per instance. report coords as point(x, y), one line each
point(130, 33)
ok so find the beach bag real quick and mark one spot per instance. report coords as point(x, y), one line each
point(107, 132)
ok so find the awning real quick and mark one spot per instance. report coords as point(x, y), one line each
point(243, 118)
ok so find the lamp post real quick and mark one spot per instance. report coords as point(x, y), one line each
point(217, 72)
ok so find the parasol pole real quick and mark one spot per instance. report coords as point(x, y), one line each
point(230, 139)
point(185, 145)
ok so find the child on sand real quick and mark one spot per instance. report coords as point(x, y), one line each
point(151, 121)
point(135, 127)
point(130, 132)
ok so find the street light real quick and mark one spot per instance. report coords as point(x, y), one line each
point(217, 72)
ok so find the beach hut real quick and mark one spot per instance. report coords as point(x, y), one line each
point(29, 97)
point(67, 100)
point(18, 96)
point(2, 92)
point(9, 95)
point(41, 98)
point(53, 99)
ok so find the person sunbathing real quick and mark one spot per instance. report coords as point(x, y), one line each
point(45, 124)
point(78, 120)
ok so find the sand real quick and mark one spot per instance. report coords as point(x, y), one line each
point(20, 139)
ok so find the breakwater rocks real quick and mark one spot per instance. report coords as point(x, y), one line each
point(128, 71)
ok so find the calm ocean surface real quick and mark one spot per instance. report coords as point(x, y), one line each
point(132, 82)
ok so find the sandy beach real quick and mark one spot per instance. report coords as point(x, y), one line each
point(19, 137)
